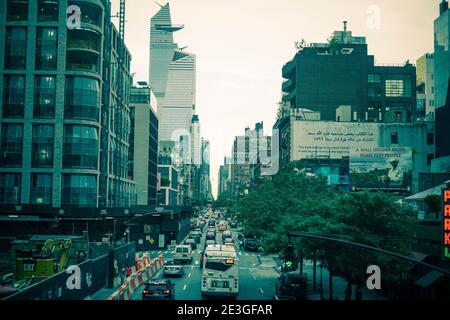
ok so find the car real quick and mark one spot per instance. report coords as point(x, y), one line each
point(223, 227)
point(228, 240)
point(211, 223)
point(291, 284)
point(241, 236)
point(210, 236)
point(172, 270)
point(226, 234)
point(183, 253)
point(210, 242)
point(233, 224)
point(159, 290)
point(196, 235)
point(198, 229)
point(250, 244)
point(201, 258)
point(202, 224)
point(192, 243)
point(211, 229)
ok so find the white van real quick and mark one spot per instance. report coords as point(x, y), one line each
point(183, 253)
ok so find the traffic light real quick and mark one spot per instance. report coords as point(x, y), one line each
point(290, 258)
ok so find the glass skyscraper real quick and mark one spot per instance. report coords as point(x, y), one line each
point(172, 77)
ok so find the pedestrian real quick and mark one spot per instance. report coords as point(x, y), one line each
point(348, 291)
point(358, 293)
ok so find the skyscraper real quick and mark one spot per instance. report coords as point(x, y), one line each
point(172, 77)
point(442, 77)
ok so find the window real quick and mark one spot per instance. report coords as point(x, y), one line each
point(82, 98)
point(11, 145)
point(15, 48)
point(79, 190)
point(430, 158)
point(13, 96)
point(41, 189)
point(374, 78)
point(375, 92)
point(394, 138)
point(10, 184)
point(90, 13)
point(17, 10)
point(46, 48)
point(48, 10)
point(398, 86)
point(81, 147)
point(42, 156)
point(44, 97)
point(430, 138)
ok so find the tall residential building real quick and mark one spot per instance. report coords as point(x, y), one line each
point(64, 120)
point(324, 76)
point(225, 177)
point(248, 151)
point(172, 77)
point(425, 86)
point(205, 174)
point(442, 77)
point(143, 152)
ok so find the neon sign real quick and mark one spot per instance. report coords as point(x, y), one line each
point(446, 222)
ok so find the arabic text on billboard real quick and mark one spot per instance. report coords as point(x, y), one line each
point(331, 139)
point(384, 169)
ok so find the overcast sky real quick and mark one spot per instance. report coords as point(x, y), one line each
point(241, 46)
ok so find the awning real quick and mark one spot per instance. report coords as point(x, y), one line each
point(422, 195)
point(429, 278)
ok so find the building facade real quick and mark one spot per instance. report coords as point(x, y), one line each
point(143, 152)
point(442, 78)
point(248, 152)
point(173, 80)
point(64, 118)
point(425, 81)
point(323, 76)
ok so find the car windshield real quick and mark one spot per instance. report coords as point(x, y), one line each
point(217, 265)
point(157, 287)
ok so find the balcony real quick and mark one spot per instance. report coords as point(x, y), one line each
point(290, 97)
point(288, 69)
point(288, 85)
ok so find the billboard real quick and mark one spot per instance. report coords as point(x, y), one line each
point(383, 169)
point(313, 139)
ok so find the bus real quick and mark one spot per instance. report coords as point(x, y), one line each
point(220, 275)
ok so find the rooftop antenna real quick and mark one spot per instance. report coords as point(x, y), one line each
point(159, 4)
point(345, 26)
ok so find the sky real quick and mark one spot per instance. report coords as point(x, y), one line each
point(241, 46)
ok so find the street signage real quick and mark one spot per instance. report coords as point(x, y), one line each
point(446, 222)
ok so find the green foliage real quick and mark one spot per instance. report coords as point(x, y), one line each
point(433, 202)
point(293, 201)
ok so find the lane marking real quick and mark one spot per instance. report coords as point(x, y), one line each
point(189, 275)
point(192, 268)
point(196, 262)
point(184, 288)
point(261, 290)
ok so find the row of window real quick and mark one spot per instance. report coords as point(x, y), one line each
point(48, 10)
point(76, 189)
point(47, 47)
point(395, 86)
point(80, 146)
point(16, 48)
point(82, 97)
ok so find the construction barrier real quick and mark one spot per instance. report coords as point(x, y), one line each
point(144, 270)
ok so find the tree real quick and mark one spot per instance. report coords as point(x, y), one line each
point(433, 202)
point(294, 201)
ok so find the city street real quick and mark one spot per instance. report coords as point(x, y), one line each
point(257, 281)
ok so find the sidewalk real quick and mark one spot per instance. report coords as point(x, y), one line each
point(339, 284)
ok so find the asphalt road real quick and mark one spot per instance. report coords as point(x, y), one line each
point(256, 277)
